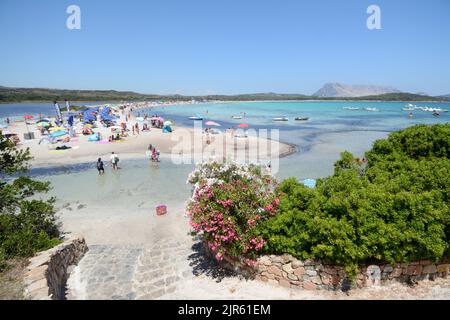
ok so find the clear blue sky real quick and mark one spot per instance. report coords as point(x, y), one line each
point(225, 46)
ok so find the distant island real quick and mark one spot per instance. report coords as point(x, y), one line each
point(8, 94)
point(339, 90)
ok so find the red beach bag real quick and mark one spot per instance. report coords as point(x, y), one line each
point(161, 210)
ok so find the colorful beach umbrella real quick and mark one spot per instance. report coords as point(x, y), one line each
point(212, 123)
point(28, 116)
point(43, 124)
point(243, 125)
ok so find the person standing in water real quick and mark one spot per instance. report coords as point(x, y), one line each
point(100, 166)
point(114, 161)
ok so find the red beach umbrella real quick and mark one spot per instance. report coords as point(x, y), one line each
point(243, 125)
point(27, 117)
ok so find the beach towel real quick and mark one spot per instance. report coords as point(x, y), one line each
point(103, 142)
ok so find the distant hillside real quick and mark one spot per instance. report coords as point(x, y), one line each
point(40, 94)
point(48, 95)
point(339, 90)
point(401, 96)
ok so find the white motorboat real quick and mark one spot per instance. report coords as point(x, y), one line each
point(371, 109)
point(236, 117)
point(351, 108)
point(280, 119)
point(195, 118)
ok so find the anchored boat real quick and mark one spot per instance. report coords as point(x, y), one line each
point(281, 119)
point(302, 118)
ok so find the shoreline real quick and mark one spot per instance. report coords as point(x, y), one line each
point(182, 102)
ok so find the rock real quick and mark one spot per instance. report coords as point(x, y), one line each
point(310, 262)
point(425, 262)
point(388, 268)
point(373, 275)
point(309, 285)
point(284, 283)
point(299, 271)
point(397, 272)
point(311, 273)
point(431, 268)
point(414, 270)
point(274, 270)
point(296, 264)
point(292, 277)
point(286, 258)
point(443, 268)
point(316, 280)
point(287, 268)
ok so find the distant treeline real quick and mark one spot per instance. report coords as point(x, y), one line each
point(35, 94)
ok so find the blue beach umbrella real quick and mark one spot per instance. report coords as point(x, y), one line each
point(310, 183)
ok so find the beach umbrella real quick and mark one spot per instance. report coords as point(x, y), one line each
point(212, 123)
point(168, 123)
point(310, 183)
point(243, 125)
point(139, 119)
point(43, 124)
point(27, 117)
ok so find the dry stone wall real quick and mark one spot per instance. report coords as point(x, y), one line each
point(49, 270)
point(290, 272)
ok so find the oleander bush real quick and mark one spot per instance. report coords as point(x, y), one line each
point(229, 201)
point(27, 223)
point(394, 208)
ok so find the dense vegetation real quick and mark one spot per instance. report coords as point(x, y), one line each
point(228, 203)
point(27, 224)
point(394, 208)
point(37, 94)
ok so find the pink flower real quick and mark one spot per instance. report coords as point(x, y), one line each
point(219, 256)
point(251, 222)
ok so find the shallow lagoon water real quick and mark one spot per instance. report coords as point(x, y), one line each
point(141, 185)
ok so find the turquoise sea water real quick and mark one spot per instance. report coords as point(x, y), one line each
point(320, 140)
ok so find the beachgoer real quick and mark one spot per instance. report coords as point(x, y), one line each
point(7, 121)
point(114, 161)
point(132, 127)
point(137, 128)
point(100, 166)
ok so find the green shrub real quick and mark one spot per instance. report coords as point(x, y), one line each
point(397, 210)
point(27, 224)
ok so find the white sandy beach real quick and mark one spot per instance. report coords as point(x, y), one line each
point(182, 141)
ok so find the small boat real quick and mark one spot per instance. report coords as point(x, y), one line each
point(408, 109)
point(281, 119)
point(371, 109)
point(302, 119)
point(236, 117)
point(350, 108)
point(195, 118)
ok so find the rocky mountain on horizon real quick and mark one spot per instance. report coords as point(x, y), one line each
point(336, 90)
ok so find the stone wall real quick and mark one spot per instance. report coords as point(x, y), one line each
point(290, 272)
point(49, 270)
